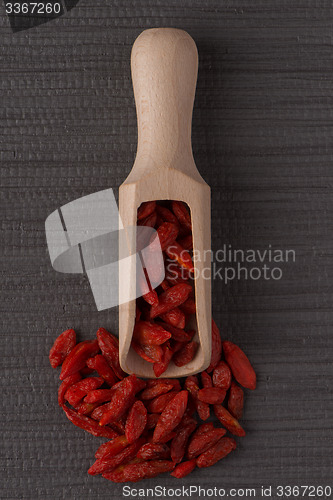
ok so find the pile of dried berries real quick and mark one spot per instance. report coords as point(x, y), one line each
point(161, 334)
point(150, 424)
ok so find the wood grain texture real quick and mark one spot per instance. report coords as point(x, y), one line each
point(262, 139)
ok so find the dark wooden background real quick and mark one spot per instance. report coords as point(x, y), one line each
point(262, 138)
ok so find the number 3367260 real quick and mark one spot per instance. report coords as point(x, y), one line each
point(33, 8)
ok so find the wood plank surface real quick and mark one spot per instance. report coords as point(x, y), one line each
point(262, 139)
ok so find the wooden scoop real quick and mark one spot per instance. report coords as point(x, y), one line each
point(164, 65)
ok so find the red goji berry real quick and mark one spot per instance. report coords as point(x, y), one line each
point(206, 380)
point(222, 376)
point(145, 209)
point(185, 468)
point(192, 385)
point(150, 333)
point(152, 419)
point(166, 215)
point(103, 369)
point(221, 449)
point(76, 360)
point(109, 346)
point(179, 442)
point(158, 404)
point(167, 234)
point(180, 255)
point(139, 471)
point(112, 448)
point(102, 465)
point(212, 395)
point(171, 298)
point(65, 385)
point(77, 391)
point(236, 401)
point(150, 353)
point(171, 416)
point(160, 387)
point(62, 346)
point(120, 402)
point(149, 221)
point(178, 334)
point(185, 354)
point(230, 422)
point(136, 421)
point(202, 442)
point(189, 307)
point(175, 318)
point(216, 347)
point(88, 424)
point(99, 396)
point(86, 408)
point(153, 451)
point(182, 214)
point(240, 365)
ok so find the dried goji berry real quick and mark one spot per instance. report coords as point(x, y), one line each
point(236, 401)
point(150, 333)
point(120, 402)
point(150, 353)
point(76, 360)
point(192, 385)
point(161, 366)
point(160, 387)
point(88, 424)
point(145, 209)
point(109, 346)
point(212, 395)
point(166, 214)
point(62, 347)
point(167, 234)
point(221, 449)
point(158, 404)
point(222, 376)
point(240, 365)
point(230, 422)
point(136, 421)
point(216, 347)
point(186, 353)
point(99, 396)
point(206, 380)
point(185, 468)
point(152, 419)
point(112, 448)
point(86, 408)
point(180, 255)
point(77, 391)
point(175, 318)
point(189, 306)
point(182, 214)
point(102, 465)
point(103, 369)
point(170, 299)
point(179, 442)
point(149, 221)
point(171, 416)
point(202, 442)
point(153, 451)
point(139, 471)
point(177, 333)
point(65, 385)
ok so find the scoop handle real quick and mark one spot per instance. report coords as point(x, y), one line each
point(164, 64)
